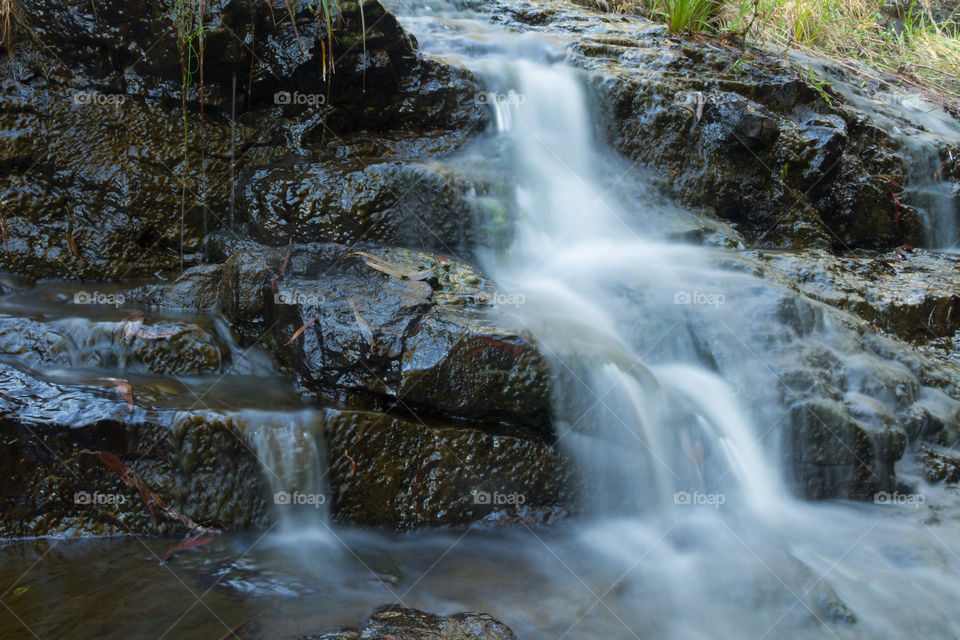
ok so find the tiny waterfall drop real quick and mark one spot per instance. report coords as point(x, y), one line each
point(291, 452)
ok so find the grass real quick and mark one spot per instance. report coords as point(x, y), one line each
point(911, 45)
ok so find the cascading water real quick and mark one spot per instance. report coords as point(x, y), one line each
point(677, 368)
point(673, 369)
point(290, 449)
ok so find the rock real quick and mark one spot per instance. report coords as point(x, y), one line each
point(196, 461)
point(171, 348)
point(400, 473)
point(915, 298)
point(111, 175)
point(389, 203)
point(383, 327)
point(400, 623)
point(939, 464)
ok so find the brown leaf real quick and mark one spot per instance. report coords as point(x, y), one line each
point(443, 261)
point(149, 498)
point(421, 275)
point(299, 332)
point(939, 171)
point(415, 487)
point(233, 632)
point(72, 243)
point(283, 266)
point(3, 234)
point(286, 258)
point(353, 463)
point(191, 543)
point(124, 388)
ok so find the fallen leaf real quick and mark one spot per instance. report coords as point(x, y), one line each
point(72, 243)
point(939, 171)
point(124, 388)
point(443, 261)
point(19, 591)
point(150, 499)
point(365, 329)
point(896, 207)
point(191, 543)
point(233, 632)
point(3, 234)
point(415, 487)
point(283, 265)
point(299, 332)
point(353, 463)
point(385, 266)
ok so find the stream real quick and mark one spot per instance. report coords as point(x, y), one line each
point(667, 361)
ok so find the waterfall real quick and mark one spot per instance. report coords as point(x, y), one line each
point(290, 449)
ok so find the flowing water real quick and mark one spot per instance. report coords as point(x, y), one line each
point(669, 362)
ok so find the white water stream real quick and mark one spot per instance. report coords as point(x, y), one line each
point(670, 361)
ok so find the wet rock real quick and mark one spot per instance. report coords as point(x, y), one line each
point(197, 289)
point(109, 177)
point(176, 348)
point(915, 298)
point(939, 464)
point(400, 623)
point(838, 451)
point(400, 473)
point(380, 325)
point(389, 203)
point(196, 461)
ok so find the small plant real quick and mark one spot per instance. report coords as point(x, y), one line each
point(681, 16)
point(820, 86)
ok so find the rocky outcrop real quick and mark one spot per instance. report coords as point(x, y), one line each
point(55, 484)
point(111, 174)
point(401, 473)
point(912, 294)
point(449, 404)
point(177, 348)
point(738, 134)
point(412, 624)
point(375, 327)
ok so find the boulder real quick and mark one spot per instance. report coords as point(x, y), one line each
point(400, 623)
point(401, 473)
point(55, 485)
